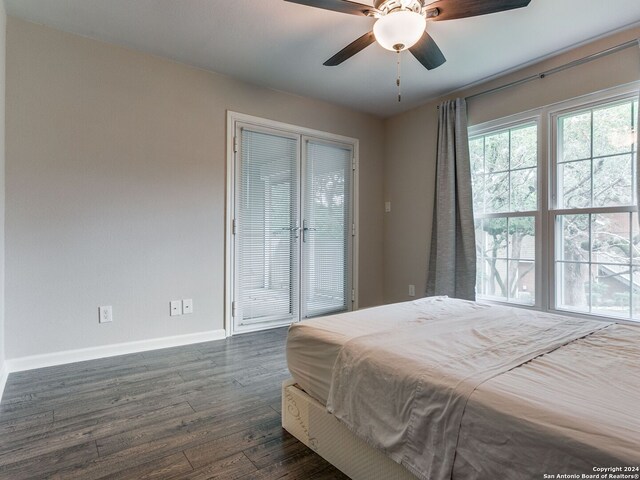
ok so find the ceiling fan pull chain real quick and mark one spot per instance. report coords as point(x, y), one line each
point(398, 79)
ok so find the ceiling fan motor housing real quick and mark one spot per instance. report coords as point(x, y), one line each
point(388, 6)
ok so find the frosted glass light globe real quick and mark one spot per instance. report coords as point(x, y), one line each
point(400, 30)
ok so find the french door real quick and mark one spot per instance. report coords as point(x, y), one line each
point(292, 227)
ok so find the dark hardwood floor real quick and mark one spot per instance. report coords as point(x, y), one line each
point(204, 411)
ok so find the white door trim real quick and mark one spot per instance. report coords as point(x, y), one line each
point(232, 119)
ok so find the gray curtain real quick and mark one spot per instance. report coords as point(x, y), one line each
point(452, 260)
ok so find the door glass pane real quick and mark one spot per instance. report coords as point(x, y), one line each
point(326, 232)
point(265, 234)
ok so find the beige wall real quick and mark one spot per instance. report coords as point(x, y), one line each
point(116, 189)
point(411, 147)
point(3, 31)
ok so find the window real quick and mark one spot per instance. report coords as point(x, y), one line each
point(504, 166)
point(556, 215)
point(597, 253)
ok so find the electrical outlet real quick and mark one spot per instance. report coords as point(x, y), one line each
point(175, 307)
point(412, 290)
point(105, 314)
point(187, 306)
point(387, 207)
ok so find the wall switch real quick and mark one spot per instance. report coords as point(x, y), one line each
point(187, 306)
point(387, 207)
point(175, 307)
point(105, 314)
point(412, 290)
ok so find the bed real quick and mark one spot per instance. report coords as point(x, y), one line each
point(442, 389)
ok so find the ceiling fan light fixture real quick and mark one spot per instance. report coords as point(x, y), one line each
point(399, 30)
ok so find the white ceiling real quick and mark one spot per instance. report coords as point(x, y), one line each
point(283, 45)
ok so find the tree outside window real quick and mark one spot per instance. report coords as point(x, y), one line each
point(596, 229)
point(505, 192)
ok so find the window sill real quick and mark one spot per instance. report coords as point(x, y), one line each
point(566, 313)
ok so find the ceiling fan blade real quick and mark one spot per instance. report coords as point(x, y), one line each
point(427, 52)
point(350, 50)
point(452, 9)
point(342, 6)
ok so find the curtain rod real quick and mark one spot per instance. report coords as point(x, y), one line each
point(546, 73)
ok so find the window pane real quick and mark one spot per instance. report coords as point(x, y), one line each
point(476, 153)
point(634, 118)
point(497, 152)
point(495, 237)
point(574, 180)
point(524, 147)
point(610, 290)
point(505, 179)
point(480, 275)
point(574, 238)
point(524, 190)
point(477, 190)
point(522, 281)
point(575, 136)
point(495, 278)
point(635, 245)
point(480, 238)
point(522, 238)
point(612, 130)
point(612, 181)
point(610, 238)
point(635, 303)
point(497, 196)
point(573, 281)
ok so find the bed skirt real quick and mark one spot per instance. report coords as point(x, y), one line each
point(308, 420)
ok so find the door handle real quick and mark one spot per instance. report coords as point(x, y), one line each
point(305, 229)
point(292, 229)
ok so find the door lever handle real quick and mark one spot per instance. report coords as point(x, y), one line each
point(305, 229)
point(295, 230)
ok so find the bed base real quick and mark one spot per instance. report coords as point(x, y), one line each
point(308, 420)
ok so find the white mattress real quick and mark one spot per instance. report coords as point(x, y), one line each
point(573, 407)
point(313, 345)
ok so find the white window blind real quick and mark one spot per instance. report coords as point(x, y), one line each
point(327, 227)
point(267, 202)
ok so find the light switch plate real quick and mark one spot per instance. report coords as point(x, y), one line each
point(175, 307)
point(187, 306)
point(387, 207)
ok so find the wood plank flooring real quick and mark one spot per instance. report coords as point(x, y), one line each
point(205, 411)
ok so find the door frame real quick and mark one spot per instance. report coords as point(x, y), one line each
point(234, 118)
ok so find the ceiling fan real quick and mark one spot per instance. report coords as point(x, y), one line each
point(400, 24)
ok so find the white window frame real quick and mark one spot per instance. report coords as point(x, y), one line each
point(576, 106)
point(235, 118)
point(497, 126)
point(545, 222)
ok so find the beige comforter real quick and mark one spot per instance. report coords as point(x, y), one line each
point(495, 393)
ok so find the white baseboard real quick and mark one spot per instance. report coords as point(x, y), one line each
point(4, 374)
point(71, 356)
